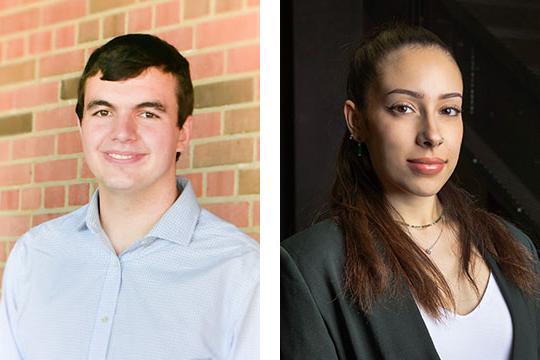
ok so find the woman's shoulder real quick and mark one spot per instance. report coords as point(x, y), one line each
point(318, 244)
point(521, 237)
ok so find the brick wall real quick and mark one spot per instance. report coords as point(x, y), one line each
point(43, 47)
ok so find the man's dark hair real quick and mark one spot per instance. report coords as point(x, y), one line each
point(127, 56)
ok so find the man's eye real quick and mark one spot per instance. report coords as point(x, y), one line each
point(149, 115)
point(102, 113)
point(451, 111)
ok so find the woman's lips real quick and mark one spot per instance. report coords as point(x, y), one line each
point(427, 166)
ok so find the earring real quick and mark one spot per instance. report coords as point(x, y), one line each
point(359, 150)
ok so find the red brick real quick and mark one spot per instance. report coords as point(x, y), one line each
point(168, 13)
point(220, 183)
point(88, 31)
point(35, 95)
point(139, 20)
point(40, 42)
point(7, 100)
point(33, 147)
point(223, 152)
point(63, 10)
point(236, 213)
point(39, 219)
point(9, 200)
point(181, 38)
point(227, 30)
point(196, 8)
point(64, 37)
point(255, 235)
point(206, 125)
point(14, 225)
point(103, 5)
point(86, 173)
point(17, 72)
point(56, 170)
point(69, 143)
point(54, 197)
point(256, 213)
point(243, 59)
point(61, 63)
point(78, 194)
point(4, 150)
point(31, 199)
point(15, 48)
point(57, 118)
point(206, 65)
point(15, 174)
point(228, 5)
point(196, 182)
point(19, 21)
point(3, 251)
point(114, 25)
point(253, 2)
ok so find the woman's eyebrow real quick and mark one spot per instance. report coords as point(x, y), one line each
point(417, 95)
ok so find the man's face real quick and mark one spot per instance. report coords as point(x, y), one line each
point(129, 131)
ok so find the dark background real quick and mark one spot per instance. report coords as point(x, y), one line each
point(497, 45)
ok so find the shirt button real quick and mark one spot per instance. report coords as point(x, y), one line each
point(104, 319)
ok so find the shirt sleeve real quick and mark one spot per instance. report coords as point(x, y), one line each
point(303, 333)
point(246, 338)
point(9, 349)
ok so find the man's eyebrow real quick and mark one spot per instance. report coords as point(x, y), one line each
point(152, 104)
point(95, 103)
point(418, 95)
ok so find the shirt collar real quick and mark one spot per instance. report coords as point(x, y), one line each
point(176, 225)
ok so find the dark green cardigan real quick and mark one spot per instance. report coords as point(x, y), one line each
point(319, 322)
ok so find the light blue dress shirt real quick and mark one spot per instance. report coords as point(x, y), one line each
point(187, 290)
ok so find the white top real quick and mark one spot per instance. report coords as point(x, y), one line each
point(484, 333)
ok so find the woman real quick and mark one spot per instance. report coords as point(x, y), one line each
point(406, 267)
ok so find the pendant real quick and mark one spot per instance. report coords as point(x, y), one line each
point(427, 251)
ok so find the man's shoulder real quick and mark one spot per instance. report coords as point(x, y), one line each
point(57, 227)
point(213, 232)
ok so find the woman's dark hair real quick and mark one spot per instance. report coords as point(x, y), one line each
point(378, 253)
point(127, 56)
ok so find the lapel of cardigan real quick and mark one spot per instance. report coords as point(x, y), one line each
point(519, 308)
point(399, 329)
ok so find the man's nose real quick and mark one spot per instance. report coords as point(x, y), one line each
point(124, 128)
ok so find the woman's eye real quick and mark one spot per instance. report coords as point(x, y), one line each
point(451, 111)
point(102, 113)
point(401, 109)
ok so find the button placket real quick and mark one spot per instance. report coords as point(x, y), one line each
point(105, 314)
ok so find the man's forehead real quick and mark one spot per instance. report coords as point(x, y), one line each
point(151, 85)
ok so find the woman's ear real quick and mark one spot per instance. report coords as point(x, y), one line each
point(355, 121)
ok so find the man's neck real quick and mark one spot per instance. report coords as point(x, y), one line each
point(127, 217)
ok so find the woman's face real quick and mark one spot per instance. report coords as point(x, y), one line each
point(412, 125)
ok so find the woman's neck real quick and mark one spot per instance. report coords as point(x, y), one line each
point(415, 210)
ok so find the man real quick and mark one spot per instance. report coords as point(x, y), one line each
point(141, 272)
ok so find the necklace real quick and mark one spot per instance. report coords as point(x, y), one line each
point(422, 227)
point(428, 250)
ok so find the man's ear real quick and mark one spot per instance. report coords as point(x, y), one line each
point(184, 136)
point(356, 121)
